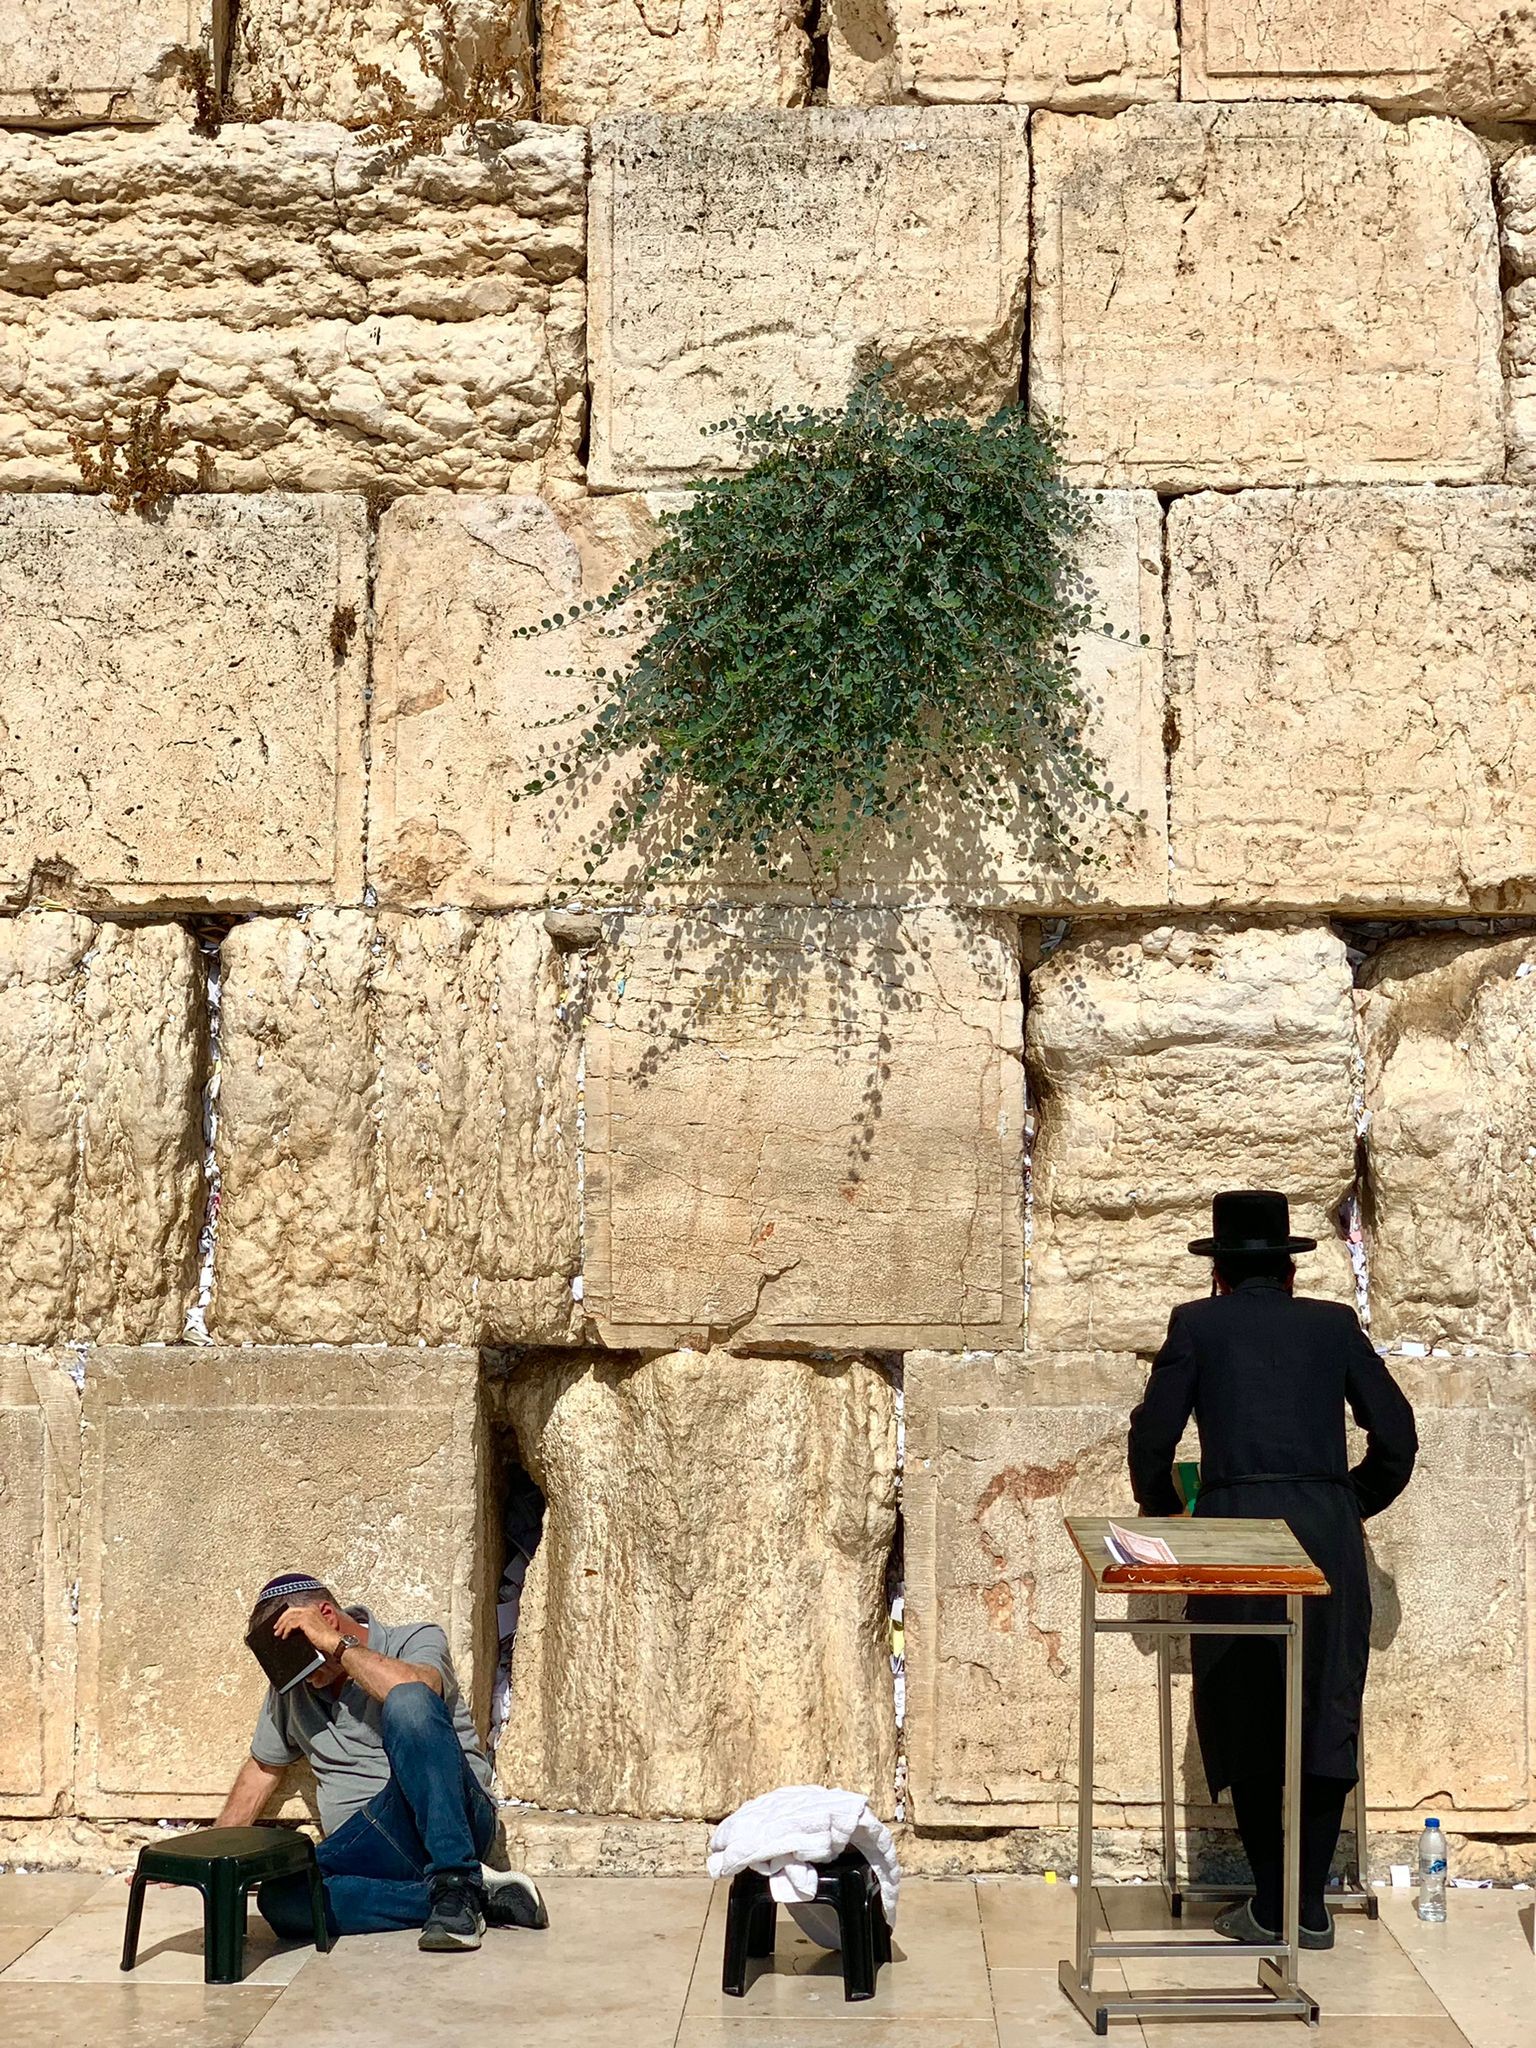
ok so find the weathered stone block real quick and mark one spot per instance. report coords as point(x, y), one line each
point(674, 1660)
point(316, 320)
point(952, 857)
point(610, 56)
point(1097, 55)
point(1448, 1707)
point(1476, 61)
point(40, 1461)
point(300, 59)
point(181, 701)
point(999, 1449)
point(1450, 1080)
point(465, 711)
point(118, 60)
point(1386, 760)
point(805, 1125)
point(100, 1144)
point(1266, 295)
point(1168, 1063)
point(761, 259)
point(208, 1470)
point(396, 1132)
point(1517, 217)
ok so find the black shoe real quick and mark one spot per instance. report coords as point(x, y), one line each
point(1237, 1923)
point(456, 1916)
point(512, 1899)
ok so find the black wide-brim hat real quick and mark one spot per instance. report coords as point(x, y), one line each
point(1250, 1220)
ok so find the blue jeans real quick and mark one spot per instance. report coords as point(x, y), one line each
point(433, 1819)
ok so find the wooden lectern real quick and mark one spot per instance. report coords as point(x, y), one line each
point(1214, 1557)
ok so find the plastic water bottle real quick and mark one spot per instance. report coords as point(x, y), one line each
point(1431, 1872)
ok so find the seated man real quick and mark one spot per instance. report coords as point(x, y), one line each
point(404, 1785)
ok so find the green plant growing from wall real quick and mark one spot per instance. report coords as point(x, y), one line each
point(873, 620)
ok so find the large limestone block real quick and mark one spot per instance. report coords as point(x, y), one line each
point(1517, 217)
point(181, 701)
point(805, 1125)
point(1450, 1091)
point(999, 1449)
point(466, 710)
point(316, 320)
point(1266, 295)
point(954, 859)
point(1167, 1063)
point(1383, 758)
point(39, 1497)
point(1448, 1704)
point(100, 1139)
point(297, 1137)
point(1475, 60)
point(613, 56)
point(300, 59)
point(1097, 55)
point(208, 1470)
point(396, 1137)
point(760, 259)
point(117, 60)
point(705, 1617)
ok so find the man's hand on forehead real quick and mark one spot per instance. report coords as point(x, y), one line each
point(311, 1623)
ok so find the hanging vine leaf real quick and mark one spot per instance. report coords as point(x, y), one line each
point(877, 613)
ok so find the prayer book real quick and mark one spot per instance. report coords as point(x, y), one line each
point(1126, 1548)
point(285, 1659)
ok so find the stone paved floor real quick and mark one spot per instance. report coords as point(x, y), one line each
point(635, 1962)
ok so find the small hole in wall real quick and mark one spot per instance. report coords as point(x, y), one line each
point(896, 1593)
point(821, 57)
point(514, 1525)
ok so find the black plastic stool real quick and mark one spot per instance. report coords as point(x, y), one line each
point(224, 1863)
point(848, 1883)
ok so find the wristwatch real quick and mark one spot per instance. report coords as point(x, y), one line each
point(347, 1643)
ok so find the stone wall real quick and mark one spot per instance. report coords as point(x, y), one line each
point(354, 1142)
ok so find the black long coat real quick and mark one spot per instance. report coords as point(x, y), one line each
point(1267, 1377)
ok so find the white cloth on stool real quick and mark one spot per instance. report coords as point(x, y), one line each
point(788, 1833)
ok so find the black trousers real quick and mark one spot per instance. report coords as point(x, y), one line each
point(1256, 1799)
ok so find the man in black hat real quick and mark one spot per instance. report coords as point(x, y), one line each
point(1267, 1378)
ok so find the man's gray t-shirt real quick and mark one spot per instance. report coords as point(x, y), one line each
point(342, 1738)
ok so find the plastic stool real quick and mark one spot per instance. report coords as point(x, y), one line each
point(848, 1883)
point(223, 1863)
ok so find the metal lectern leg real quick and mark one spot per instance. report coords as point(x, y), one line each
point(1087, 1634)
point(1292, 1791)
point(1280, 1974)
point(1362, 1848)
point(1165, 1767)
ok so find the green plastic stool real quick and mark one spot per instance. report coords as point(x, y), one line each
point(224, 1863)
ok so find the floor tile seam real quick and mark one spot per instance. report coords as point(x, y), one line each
point(38, 1934)
point(698, 1953)
point(1441, 2008)
point(1407, 1954)
point(986, 1962)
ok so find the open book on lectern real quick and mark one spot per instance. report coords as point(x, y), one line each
point(1126, 1548)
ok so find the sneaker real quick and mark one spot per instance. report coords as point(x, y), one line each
point(456, 1916)
point(1237, 1923)
point(512, 1899)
